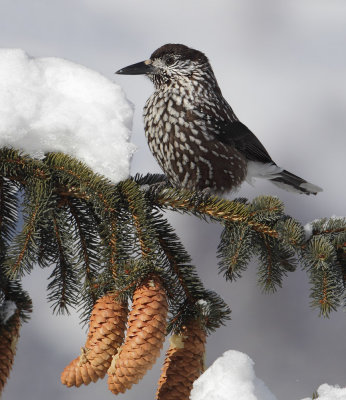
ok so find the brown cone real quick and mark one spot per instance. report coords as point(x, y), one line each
point(183, 364)
point(9, 334)
point(144, 339)
point(106, 334)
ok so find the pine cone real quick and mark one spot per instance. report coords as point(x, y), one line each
point(183, 364)
point(9, 335)
point(144, 339)
point(106, 334)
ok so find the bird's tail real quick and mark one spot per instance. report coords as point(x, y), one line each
point(292, 183)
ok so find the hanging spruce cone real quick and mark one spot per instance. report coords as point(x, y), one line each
point(106, 334)
point(144, 339)
point(183, 364)
point(9, 334)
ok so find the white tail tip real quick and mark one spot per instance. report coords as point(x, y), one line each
point(311, 188)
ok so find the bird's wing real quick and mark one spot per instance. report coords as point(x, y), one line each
point(235, 133)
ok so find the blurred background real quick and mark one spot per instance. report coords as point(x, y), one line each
point(282, 66)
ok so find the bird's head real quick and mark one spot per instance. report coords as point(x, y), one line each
point(170, 63)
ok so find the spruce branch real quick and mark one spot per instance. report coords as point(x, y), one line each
point(138, 207)
point(157, 240)
point(276, 260)
point(235, 249)
point(191, 293)
point(326, 276)
point(22, 252)
point(64, 285)
point(9, 192)
point(101, 238)
point(220, 210)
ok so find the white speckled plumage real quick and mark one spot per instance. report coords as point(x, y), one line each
point(193, 132)
point(179, 131)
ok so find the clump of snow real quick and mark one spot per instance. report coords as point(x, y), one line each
point(230, 377)
point(327, 392)
point(7, 309)
point(54, 105)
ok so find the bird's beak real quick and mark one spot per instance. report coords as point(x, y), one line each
point(141, 68)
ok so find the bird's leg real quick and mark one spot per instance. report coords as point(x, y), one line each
point(157, 187)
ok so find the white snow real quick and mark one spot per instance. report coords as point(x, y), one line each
point(327, 392)
point(7, 309)
point(54, 105)
point(232, 377)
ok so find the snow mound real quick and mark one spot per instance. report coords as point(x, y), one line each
point(327, 392)
point(54, 105)
point(230, 377)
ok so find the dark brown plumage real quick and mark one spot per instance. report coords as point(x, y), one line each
point(193, 132)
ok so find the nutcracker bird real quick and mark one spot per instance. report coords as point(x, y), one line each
point(193, 132)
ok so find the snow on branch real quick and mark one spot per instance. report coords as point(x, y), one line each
point(54, 105)
point(232, 377)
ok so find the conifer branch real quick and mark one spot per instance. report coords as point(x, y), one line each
point(63, 301)
point(213, 207)
point(89, 260)
point(138, 208)
point(22, 252)
point(235, 250)
point(115, 237)
point(28, 231)
point(175, 267)
point(8, 210)
point(191, 300)
point(113, 246)
point(64, 286)
point(267, 271)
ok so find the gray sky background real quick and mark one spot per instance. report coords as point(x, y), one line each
point(282, 66)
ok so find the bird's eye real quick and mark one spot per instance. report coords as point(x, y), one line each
point(169, 60)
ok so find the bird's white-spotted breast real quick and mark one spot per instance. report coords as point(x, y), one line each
point(180, 136)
